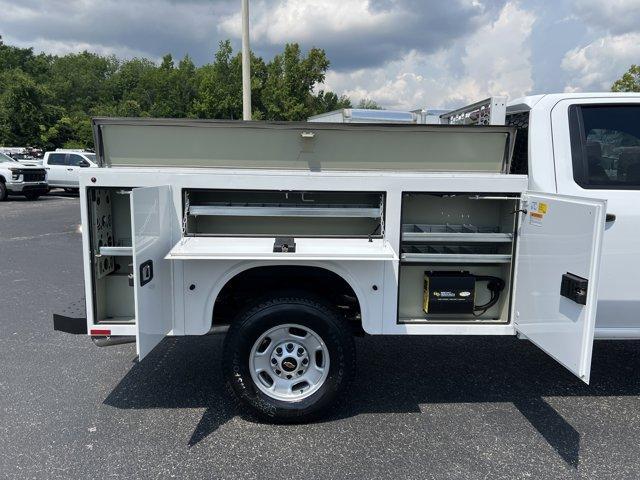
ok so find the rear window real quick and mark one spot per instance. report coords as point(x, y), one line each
point(57, 159)
point(520, 158)
point(605, 146)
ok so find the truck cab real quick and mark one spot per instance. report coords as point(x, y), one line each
point(63, 167)
point(588, 145)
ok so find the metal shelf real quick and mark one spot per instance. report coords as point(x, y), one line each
point(116, 251)
point(429, 237)
point(455, 258)
point(453, 254)
point(450, 233)
point(286, 210)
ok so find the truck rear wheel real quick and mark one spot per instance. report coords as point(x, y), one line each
point(289, 358)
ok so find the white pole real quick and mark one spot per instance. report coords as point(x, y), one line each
point(246, 63)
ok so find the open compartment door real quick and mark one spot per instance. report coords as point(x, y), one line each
point(151, 225)
point(556, 276)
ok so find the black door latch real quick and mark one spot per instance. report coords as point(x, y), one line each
point(574, 288)
point(146, 272)
point(284, 245)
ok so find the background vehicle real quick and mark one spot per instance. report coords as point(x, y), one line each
point(26, 159)
point(63, 167)
point(295, 236)
point(364, 115)
point(19, 179)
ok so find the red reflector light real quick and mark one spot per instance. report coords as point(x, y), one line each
point(100, 332)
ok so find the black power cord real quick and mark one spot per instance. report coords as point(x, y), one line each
point(495, 285)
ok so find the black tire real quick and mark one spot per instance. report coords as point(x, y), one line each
point(3, 191)
point(276, 310)
point(32, 196)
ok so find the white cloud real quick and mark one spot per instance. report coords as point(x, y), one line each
point(123, 27)
point(495, 60)
point(358, 33)
point(597, 65)
point(307, 20)
point(57, 47)
point(615, 16)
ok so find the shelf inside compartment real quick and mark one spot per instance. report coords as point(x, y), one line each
point(254, 213)
point(463, 254)
point(117, 321)
point(454, 233)
point(284, 210)
point(225, 248)
point(116, 251)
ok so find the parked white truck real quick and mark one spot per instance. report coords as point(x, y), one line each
point(20, 179)
point(63, 167)
point(297, 236)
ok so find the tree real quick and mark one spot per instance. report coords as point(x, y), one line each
point(629, 82)
point(24, 108)
point(79, 81)
point(291, 79)
point(220, 86)
point(328, 101)
point(369, 104)
point(48, 100)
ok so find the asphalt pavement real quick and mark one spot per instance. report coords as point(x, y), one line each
point(422, 408)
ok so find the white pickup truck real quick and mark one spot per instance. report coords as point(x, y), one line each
point(63, 167)
point(20, 179)
point(293, 237)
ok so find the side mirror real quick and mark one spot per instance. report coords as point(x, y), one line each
point(84, 163)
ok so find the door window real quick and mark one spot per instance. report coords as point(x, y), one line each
point(74, 160)
point(605, 146)
point(57, 159)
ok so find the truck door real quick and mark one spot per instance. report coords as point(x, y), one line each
point(73, 168)
point(151, 225)
point(56, 166)
point(556, 276)
point(596, 144)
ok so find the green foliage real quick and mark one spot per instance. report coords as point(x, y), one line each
point(48, 101)
point(629, 82)
point(369, 104)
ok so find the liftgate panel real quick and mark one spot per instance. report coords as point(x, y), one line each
point(556, 280)
point(152, 220)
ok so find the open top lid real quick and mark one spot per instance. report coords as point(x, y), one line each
point(141, 142)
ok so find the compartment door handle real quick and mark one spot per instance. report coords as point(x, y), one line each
point(146, 272)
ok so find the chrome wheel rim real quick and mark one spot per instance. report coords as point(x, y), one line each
point(289, 362)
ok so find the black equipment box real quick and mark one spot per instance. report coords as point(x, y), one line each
point(449, 292)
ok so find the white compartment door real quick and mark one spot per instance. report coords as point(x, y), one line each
point(559, 235)
point(151, 227)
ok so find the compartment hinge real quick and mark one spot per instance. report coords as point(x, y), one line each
point(185, 213)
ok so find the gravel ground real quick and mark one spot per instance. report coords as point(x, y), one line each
point(441, 407)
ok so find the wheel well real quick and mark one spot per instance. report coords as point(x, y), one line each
point(2, 179)
point(257, 282)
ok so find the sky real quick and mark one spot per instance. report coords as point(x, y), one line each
point(404, 54)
